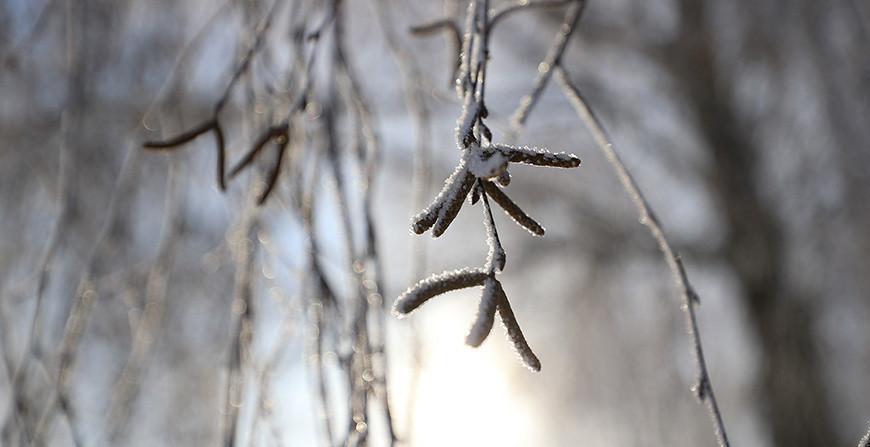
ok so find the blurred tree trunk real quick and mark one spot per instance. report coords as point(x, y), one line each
point(795, 401)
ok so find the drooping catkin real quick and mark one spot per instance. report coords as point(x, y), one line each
point(512, 209)
point(514, 333)
point(426, 218)
point(483, 165)
point(495, 257)
point(485, 314)
point(436, 285)
point(538, 157)
point(453, 202)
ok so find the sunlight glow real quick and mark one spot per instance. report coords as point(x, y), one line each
point(465, 396)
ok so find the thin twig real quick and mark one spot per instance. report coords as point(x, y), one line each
point(32, 351)
point(504, 12)
point(148, 327)
point(414, 96)
point(554, 55)
point(213, 123)
point(240, 321)
point(83, 302)
point(9, 56)
point(367, 164)
point(703, 388)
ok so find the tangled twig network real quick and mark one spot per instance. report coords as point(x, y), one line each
point(304, 126)
point(482, 172)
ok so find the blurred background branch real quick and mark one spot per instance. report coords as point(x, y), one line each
point(744, 123)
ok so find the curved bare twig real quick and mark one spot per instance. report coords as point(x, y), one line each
point(703, 387)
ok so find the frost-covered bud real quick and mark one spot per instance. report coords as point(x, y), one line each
point(486, 163)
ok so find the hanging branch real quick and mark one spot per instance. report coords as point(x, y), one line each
point(481, 161)
point(365, 383)
point(79, 315)
point(324, 305)
point(366, 146)
point(242, 315)
point(85, 294)
point(19, 406)
point(703, 388)
point(146, 331)
point(415, 102)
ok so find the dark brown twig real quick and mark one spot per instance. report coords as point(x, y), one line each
point(213, 123)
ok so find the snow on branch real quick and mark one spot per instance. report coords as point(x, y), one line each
point(481, 163)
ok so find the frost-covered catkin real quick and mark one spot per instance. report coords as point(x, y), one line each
point(436, 285)
point(538, 157)
point(453, 203)
point(512, 209)
point(485, 314)
point(426, 218)
point(483, 166)
point(514, 333)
